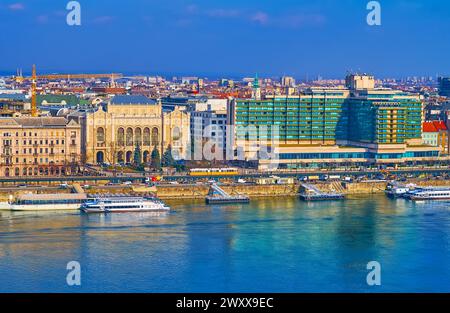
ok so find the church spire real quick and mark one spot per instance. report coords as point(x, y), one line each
point(256, 94)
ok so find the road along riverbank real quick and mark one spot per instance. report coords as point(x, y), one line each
point(200, 191)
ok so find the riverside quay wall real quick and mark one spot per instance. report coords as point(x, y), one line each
point(275, 190)
point(200, 191)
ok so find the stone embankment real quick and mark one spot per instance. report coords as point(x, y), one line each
point(200, 191)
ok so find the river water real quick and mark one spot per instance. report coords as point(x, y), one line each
point(270, 245)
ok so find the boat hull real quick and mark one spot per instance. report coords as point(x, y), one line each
point(429, 198)
point(94, 210)
point(45, 207)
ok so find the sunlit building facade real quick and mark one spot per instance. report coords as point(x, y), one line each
point(329, 127)
point(39, 146)
point(114, 132)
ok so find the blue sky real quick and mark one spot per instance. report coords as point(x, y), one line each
point(229, 37)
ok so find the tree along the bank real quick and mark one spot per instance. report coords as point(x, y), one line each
point(156, 159)
point(137, 156)
point(167, 159)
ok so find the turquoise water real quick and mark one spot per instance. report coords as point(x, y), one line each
point(269, 245)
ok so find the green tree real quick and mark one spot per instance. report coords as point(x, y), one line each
point(167, 159)
point(137, 156)
point(156, 159)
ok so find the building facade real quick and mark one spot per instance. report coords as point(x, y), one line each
point(114, 132)
point(325, 127)
point(39, 146)
point(210, 126)
point(444, 86)
point(435, 134)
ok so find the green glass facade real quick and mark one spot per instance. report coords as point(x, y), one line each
point(311, 118)
point(330, 116)
point(385, 121)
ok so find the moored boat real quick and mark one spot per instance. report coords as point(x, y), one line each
point(429, 194)
point(123, 204)
point(396, 191)
point(48, 202)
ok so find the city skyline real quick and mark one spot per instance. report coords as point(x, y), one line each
point(187, 38)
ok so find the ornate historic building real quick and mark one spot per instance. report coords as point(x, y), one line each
point(39, 146)
point(128, 124)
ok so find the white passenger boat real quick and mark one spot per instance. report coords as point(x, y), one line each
point(123, 204)
point(395, 190)
point(429, 194)
point(48, 202)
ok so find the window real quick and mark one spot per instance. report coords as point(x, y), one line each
point(120, 137)
point(100, 134)
point(155, 136)
point(138, 136)
point(129, 137)
point(146, 136)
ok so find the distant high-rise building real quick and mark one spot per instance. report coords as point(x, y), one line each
point(444, 86)
point(200, 83)
point(287, 81)
point(356, 81)
point(256, 94)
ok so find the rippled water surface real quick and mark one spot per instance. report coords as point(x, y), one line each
point(270, 245)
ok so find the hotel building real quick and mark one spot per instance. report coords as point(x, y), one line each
point(359, 125)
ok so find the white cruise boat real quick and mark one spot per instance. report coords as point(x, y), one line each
point(123, 204)
point(430, 194)
point(47, 202)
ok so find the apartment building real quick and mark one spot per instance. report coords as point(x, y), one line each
point(39, 146)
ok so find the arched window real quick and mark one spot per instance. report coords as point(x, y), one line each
point(7, 172)
point(100, 157)
point(146, 136)
point(100, 134)
point(155, 136)
point(24, 171)
point(120, 137)
point(120, 157)
point(146, 157)
point(129, 156)
point(129, 137)
point(16, 171)
point(176, 134)
point(138, 136)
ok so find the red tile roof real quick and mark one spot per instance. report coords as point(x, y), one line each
point(440, 125)
point(434, 126)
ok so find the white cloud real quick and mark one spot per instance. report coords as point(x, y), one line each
point(16, 6)
point(260, 18)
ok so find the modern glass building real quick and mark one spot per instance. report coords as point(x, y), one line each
point(329, 126)
point(384, 117)
point(444, 86)
point(318, 117)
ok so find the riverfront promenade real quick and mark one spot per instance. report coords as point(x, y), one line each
point(244, 174)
